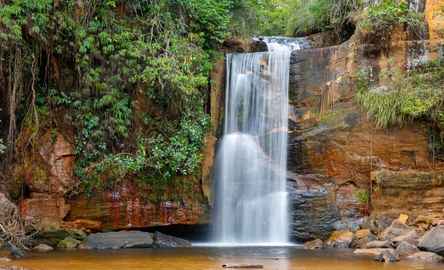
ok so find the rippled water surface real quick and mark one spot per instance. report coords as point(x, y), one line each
point(208, 258)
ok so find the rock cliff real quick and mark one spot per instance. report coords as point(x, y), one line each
point(342, 167)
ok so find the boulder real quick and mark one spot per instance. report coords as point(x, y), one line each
point(52, 236)
point(315, 244)
point(424, 222)
point(362, 237)
point(387, 256)
point(427, 257)
point(43, 248)
point(340, 239)
point(162, 240)
point(433, 240)
point(374, 252)
point(118, 240)
point(396, 229)
point(406, 249)
point(411, 237)
point(68, 243)
point(378, 244)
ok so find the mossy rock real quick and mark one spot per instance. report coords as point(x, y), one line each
point(68, 243)
point(53, 237)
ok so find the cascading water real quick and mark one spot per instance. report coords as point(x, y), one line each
point(251, 199)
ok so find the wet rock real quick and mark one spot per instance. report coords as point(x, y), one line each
point(243, 266)
point(314, 212)
point(411, 237)
point(4, 260)
point(362, 237)
point(162, 240)
point(387, 256)
point(378, 244)
point(406, 249)
point(396, 229)
point(428, 257)
point(68, 243)
point(340, 239)
point(433, 240)
point(84, 246)
point(315, 244)
point(43, 248)
point(374, 252)
point(16, 252)
point(118, 240)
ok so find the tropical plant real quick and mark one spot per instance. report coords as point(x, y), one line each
point(419, 94)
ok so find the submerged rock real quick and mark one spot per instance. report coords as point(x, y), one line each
point(118, 240)
point(388, 255)
point(315, 244)
point(428, 257)
point(372, 251)
point(340, 239)
point(43, 248)
point(433, 240)
point(162, 240)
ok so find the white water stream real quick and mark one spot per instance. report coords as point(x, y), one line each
point(251, 199)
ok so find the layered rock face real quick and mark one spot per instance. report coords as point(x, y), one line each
point(54, 201)
point(341, 166)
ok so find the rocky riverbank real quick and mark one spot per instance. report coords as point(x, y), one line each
point(421, 239)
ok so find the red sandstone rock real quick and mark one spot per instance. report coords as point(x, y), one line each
point(48, 210)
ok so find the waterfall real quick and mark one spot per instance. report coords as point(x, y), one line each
point(250, 176)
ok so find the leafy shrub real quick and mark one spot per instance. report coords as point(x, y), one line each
point(380, 20)
point(413, 96)
point(363, 196)
point(313, 16)
point(97, 62)
point(2, 147)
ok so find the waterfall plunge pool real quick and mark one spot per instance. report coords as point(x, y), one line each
point(210, 258)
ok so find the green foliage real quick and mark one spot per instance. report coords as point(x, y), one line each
point(116, 56)
point(260, 17)
point(380, 20)
point(413, 96)
point(17, 14)
point(209, 18)
point(363, 196)
point(313, 16)
point(2, 147)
